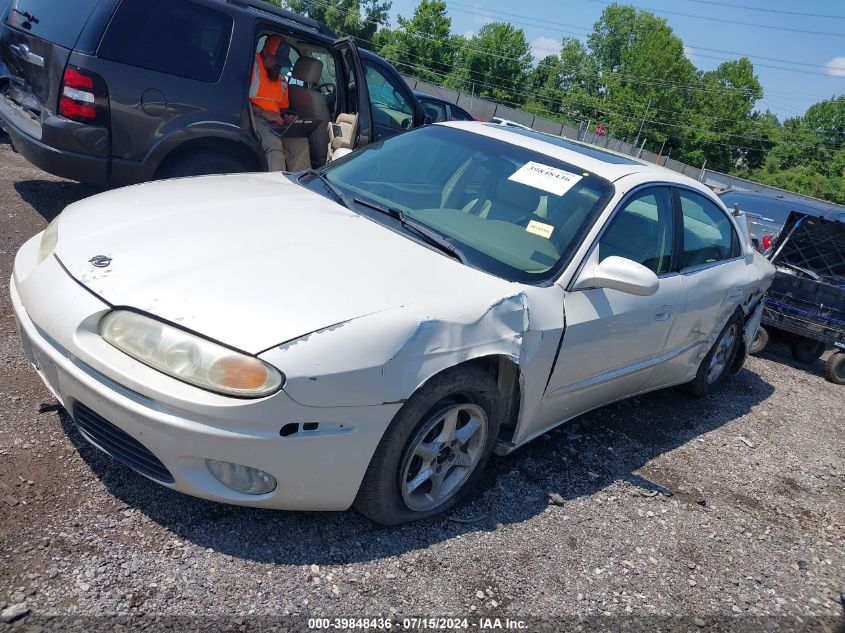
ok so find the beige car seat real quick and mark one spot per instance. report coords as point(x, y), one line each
point(342, 133)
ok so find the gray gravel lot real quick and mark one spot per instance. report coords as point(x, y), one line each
point(700, 512)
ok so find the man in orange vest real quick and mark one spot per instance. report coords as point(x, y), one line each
point(268, 96)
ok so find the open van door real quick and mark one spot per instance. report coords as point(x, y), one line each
point(355, 85)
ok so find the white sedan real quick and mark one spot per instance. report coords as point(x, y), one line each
point(370, 332)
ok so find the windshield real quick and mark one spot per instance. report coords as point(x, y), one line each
point(513, 212)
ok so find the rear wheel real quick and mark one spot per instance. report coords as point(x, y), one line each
point(834, 368)
point(714, 367)
point(201, 163)
point(807, 350)
point(761, 339)
point(434, 451)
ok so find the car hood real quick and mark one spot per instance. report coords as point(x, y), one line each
point(250, 260)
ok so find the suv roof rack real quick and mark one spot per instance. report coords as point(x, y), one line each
point(266, 7)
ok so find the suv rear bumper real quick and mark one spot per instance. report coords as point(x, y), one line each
point(85, 168)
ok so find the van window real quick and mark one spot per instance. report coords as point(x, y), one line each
point(171, 36)
point(57, 21)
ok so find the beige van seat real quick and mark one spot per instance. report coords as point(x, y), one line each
point(342, 132)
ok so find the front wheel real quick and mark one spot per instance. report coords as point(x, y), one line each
point(834, 368)
point(434, 451)
point(713, 369)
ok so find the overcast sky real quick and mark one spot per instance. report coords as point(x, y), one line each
point(817, 71)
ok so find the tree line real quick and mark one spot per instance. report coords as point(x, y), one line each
point(631, 75)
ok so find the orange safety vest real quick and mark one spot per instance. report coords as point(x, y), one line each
point(266, 94)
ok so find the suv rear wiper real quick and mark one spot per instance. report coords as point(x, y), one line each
point(428, 235)
point(26, 14)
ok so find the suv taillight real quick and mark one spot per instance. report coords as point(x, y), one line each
point(84, 97)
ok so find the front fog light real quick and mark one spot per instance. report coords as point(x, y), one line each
point(242, 478)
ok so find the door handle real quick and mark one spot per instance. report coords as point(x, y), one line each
point(22, 51)
point(664, 313)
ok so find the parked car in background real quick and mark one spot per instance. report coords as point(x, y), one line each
point(440, 110)
point(507, 122)
point(425, 301)
point(114, 92)
point(768, 212)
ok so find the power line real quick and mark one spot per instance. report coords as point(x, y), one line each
point(594, 106)
point(782, 12)
point(546, 25)
point(723, 21)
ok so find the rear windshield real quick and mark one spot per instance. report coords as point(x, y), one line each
point(171, 36)
point(57, 21)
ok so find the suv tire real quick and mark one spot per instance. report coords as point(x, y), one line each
point(201, 163)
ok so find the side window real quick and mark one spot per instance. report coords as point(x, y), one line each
point(458, 115)
point(437, 111)
point(642, 231)
point(708, 233)
point(169, 36)
point(391, 107)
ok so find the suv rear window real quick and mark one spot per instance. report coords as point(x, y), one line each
point(57, 21)
point(171, 36)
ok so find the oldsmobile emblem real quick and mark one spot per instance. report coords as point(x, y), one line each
point(100, 261)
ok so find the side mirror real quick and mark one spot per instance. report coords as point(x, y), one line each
point(620, 274)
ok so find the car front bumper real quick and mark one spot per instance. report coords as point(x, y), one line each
point(181, 426)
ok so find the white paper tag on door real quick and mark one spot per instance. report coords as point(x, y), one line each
point(551, 179)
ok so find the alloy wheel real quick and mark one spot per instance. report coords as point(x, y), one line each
point(723, 354)
point(442, 455)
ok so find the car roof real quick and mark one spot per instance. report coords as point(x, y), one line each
point(288, 16)
point(425, 95)
point(793, 202)
point(604, 163)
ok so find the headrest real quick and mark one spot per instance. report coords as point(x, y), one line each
point(518, 195)
point(307, 70)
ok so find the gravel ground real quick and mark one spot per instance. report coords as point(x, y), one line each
point(709, 513)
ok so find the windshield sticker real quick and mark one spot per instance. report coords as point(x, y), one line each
point(539, 176)
point(538, 228)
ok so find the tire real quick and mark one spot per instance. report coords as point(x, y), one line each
point(806, 350)
point(395, 488)
point(761, 339)
point(201, 163)
point(714, 367)
point(834, 368)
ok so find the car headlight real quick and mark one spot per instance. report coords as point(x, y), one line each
point(188, 357)
point(49, 238)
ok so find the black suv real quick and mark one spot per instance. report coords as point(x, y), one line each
point(115, 92)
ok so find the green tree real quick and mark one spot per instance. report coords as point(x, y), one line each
point(721, 124)
point(358, 18)
point(809, 154)
point(644, 76)
point(422, 46)
point(494, 63)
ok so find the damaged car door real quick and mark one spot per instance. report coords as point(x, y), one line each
point(614, 339)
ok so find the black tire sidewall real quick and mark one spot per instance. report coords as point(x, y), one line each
point(834, 368)
point(806, 350)
point(760, 341)
point(202, 163)
point(379, 497)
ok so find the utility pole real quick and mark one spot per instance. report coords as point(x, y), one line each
point(637, 140)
